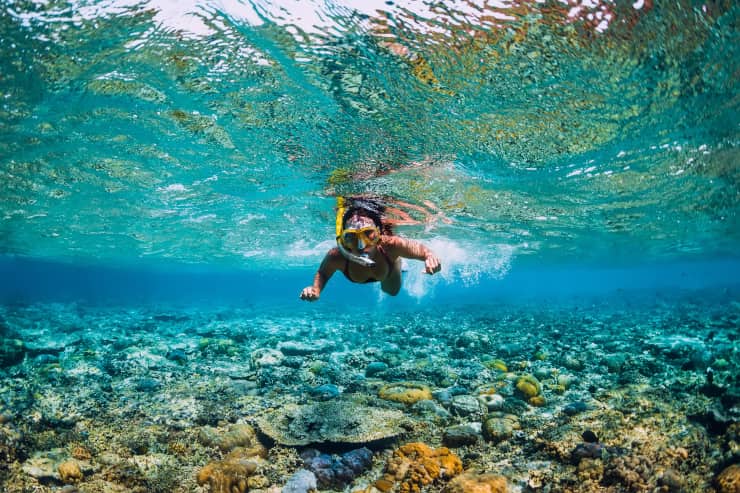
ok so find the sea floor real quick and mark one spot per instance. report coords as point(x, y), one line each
point(628, 395)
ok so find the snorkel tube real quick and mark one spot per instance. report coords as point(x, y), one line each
point(363, 259)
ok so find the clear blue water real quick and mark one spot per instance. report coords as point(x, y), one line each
point(219, 134)
point(168, 181)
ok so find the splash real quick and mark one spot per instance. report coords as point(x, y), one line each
point(461, 263)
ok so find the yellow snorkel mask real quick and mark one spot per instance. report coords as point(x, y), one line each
point(359, 237)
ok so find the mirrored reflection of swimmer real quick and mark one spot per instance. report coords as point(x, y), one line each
point(367, 251)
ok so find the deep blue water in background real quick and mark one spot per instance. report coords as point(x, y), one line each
point(28, 281)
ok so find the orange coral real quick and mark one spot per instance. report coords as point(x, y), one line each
point(415, 465)
point(477, 483)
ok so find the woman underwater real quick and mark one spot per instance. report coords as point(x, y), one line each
point(367, 251)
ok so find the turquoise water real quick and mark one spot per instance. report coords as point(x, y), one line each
point(169, 174)
point(219, 134)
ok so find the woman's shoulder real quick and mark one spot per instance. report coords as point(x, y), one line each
point(391, 240)
point(333, 260)
point(391, 243)
point(398, 246)
point(335, 257)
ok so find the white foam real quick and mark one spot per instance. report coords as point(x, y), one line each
point(302, 248)
point(460, 263)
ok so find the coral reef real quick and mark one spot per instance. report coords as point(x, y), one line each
point(728, 481)
point(238, 435)
point(500, 426)
point(405, 392)
point(336, 421)
point(336, 471)
point(416, 465)
point(302, 481)
point(69, 472)
point(142, 404)
point(476, 483)
point(229, 475)
point(529, 388)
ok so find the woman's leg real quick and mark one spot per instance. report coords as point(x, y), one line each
point(392, 283)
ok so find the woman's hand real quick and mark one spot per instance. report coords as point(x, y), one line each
point(310, 294)
point(431, 264)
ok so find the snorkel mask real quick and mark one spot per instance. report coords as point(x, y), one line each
point(355, 237)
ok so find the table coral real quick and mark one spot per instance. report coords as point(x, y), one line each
point(336, 421)
point(416, 465)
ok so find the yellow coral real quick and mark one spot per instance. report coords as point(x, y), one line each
point(405, 392)
point(528, 386)
point(537, 401)
point(497, 364)
point(70, 471)
point(416, 465)
point(477, 483)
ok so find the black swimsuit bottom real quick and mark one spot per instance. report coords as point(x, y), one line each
point(369, 279)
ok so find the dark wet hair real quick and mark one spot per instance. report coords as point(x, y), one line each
point(370, 208)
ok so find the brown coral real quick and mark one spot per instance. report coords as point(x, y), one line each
point(70, 471)
point(728, 480)
point(477, 483)
point(238, 435)
point(229, 475)
point(242, 435)
point(416, 465)
point(81, 453)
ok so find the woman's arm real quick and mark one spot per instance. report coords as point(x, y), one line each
point(403, 247)
point(327, 268)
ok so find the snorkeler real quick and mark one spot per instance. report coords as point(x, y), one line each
point(367, 251)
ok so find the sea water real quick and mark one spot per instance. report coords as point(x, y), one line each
point(170, 174)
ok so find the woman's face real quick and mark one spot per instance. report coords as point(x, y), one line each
point(360, 234)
